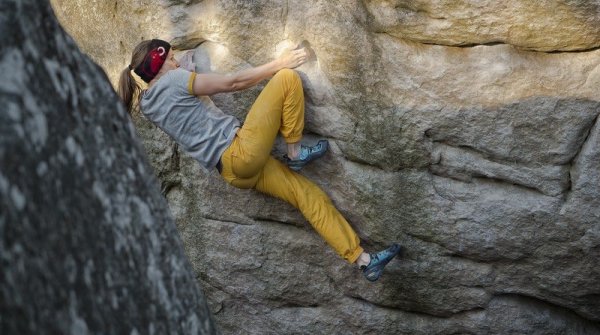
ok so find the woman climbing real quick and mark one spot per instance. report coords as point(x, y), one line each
point(176, 101)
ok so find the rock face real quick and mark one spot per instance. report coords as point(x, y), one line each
point(87, 244)
point(465, 130)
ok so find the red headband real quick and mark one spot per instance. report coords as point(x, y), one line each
point(154, 60)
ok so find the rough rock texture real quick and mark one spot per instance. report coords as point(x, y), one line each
point(87, 244)
point(462, 129)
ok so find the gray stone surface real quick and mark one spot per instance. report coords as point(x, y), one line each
point(87, 243)
point(462, 129)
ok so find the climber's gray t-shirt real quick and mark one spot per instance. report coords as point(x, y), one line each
point(195, 123)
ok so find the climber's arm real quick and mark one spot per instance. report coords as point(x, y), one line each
point(212, 83)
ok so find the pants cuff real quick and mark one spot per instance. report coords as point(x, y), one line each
point(293, 139)
point(355, 254)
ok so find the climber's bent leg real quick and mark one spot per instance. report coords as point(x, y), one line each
point(278, 108)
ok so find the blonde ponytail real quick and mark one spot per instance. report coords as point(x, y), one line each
point(128, 88)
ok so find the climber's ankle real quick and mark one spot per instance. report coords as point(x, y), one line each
point(293, 150)
point(363, 260)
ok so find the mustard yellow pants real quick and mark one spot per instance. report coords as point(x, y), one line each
point(247, 163)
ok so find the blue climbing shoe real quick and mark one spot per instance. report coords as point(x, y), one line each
point(307, 154)
point(378, 261)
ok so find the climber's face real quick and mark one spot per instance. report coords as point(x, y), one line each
point(170, 63)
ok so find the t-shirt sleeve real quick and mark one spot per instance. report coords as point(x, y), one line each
point(182, 81)
point(191, 83)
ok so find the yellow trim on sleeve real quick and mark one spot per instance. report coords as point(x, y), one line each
point(191, 83)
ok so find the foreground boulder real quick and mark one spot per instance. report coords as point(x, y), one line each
point(87, 244)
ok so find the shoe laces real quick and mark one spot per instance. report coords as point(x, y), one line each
point(375, 257)
point(379, 256)
point(306, 150)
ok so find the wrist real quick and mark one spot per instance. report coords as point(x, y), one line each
point(278, 64)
